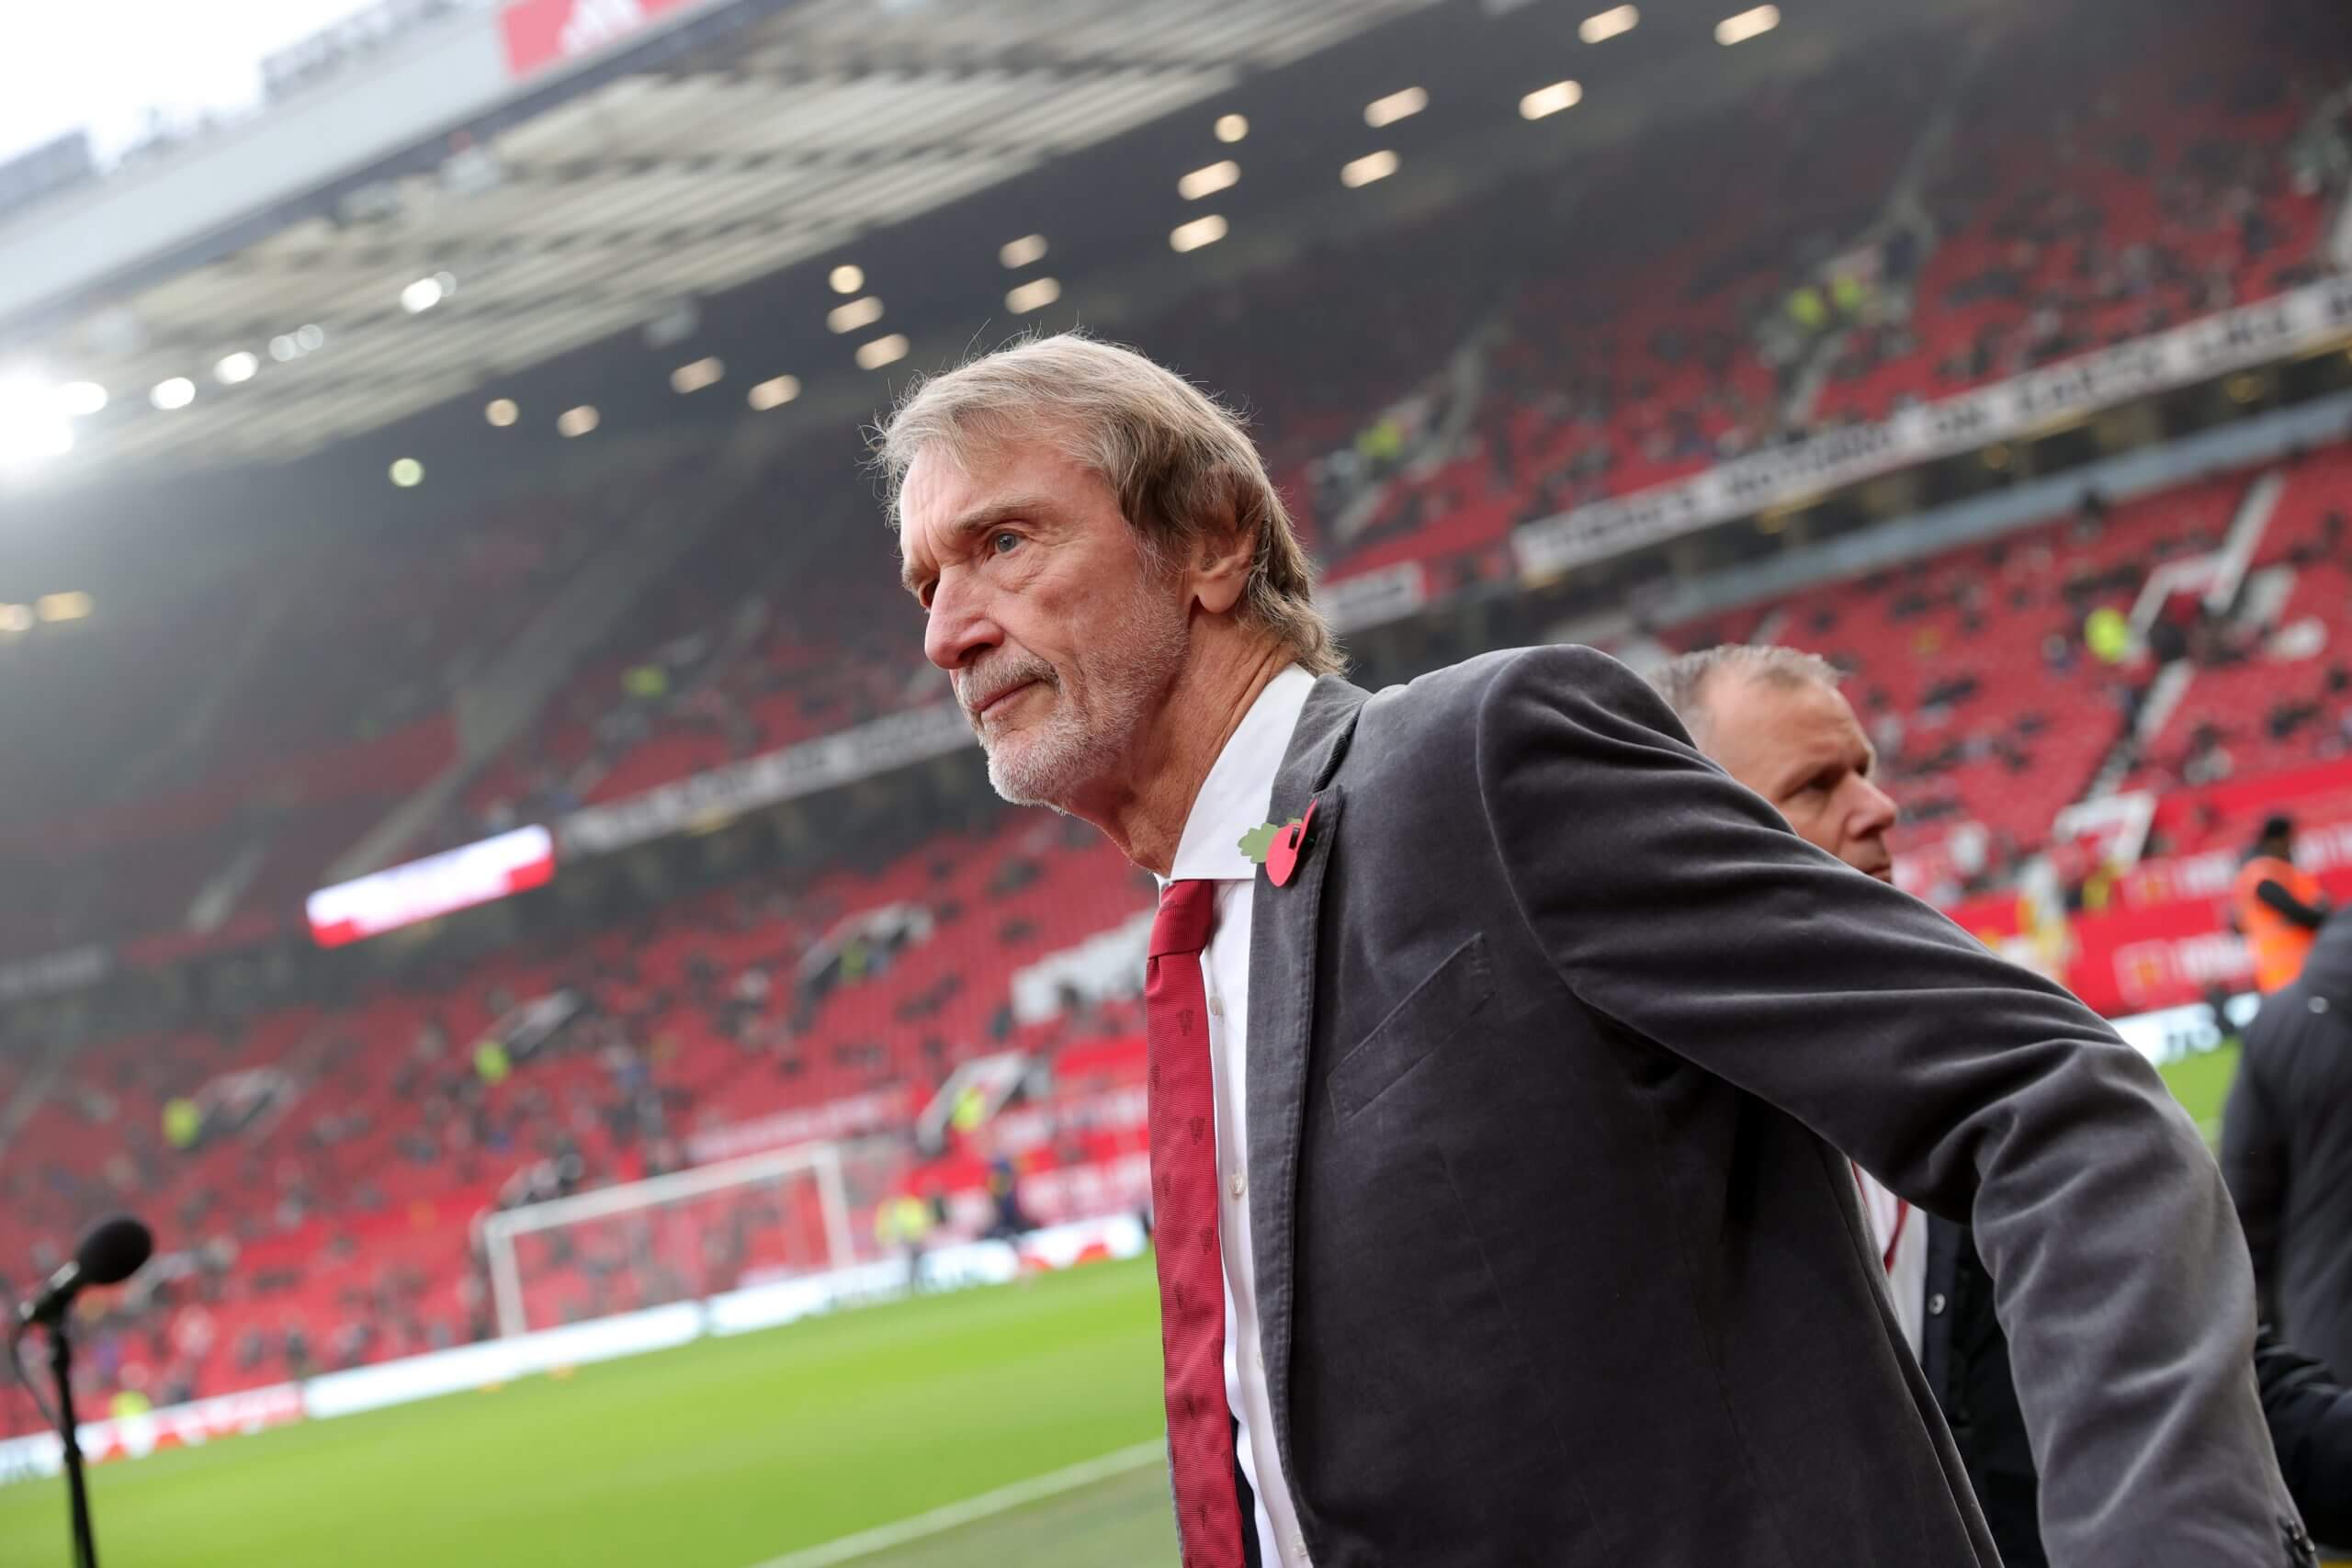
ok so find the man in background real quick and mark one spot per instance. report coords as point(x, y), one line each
point(1774, 720)
point(2286, 1152)
point(2278, 906)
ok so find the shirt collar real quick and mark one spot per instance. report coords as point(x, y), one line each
point(1239, 789)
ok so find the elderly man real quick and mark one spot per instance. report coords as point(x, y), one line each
point(1495, 1116)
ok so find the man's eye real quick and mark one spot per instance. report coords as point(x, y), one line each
point(1003, 540)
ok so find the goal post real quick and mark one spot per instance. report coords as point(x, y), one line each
point(683, 1237)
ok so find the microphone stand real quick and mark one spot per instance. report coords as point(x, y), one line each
point(60, 1365)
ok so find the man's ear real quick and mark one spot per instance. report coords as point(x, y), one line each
point(1221, 561)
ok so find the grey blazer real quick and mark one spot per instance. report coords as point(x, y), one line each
point(1555, 1033)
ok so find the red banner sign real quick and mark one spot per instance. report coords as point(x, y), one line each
point(541, 33)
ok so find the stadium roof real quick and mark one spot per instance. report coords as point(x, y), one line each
point(676, 173)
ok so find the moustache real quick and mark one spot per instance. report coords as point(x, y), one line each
point(977, 686)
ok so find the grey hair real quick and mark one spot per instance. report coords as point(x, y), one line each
point(1181, 463)
point(1684, 681)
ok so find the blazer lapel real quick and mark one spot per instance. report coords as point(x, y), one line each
point(1284, 923)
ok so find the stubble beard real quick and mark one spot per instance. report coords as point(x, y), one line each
point(1080, 741)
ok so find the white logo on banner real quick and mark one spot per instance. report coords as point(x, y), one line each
point(595, 23)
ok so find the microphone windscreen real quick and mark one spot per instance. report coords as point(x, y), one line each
point(113, 1251)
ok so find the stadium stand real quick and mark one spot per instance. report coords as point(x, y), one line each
point(2068, 225)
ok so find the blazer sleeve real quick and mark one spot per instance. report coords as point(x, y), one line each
point(1680, 907)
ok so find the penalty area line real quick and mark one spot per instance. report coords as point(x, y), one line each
point(971, 1509)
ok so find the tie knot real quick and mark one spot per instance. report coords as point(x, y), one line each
point(1185, 911)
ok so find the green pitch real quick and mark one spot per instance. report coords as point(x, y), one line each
point(753, 1452)
point(2201, 1083)
point(732, 1453)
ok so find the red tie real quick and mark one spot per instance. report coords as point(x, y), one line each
point(1183, 1189)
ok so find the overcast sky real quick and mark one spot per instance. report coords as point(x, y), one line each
point(100, 64)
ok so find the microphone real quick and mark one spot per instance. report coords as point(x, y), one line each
point(111, 1251)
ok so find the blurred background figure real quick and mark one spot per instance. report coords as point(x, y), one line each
point(2287, 1151)
point(2278, 906)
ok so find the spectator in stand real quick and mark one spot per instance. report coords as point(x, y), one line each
point(2277, 906)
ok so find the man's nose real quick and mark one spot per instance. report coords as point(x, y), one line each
point(1873, 811)
point(959, 627)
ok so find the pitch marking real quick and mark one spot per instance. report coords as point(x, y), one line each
point(953, 1515)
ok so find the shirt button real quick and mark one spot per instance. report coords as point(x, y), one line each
point(1216, 1008)
point(1257, 1358)
point(1936, 1305)
point(1237, 1184)
point(1298, 1547)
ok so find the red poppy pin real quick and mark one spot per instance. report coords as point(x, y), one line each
point(1278, 849)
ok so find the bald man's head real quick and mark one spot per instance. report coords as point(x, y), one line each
point(1773, 718)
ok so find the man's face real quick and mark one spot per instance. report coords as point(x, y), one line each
point(1800, 747)
point(1062, 641)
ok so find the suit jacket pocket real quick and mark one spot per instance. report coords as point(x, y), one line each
point(1435, 1011)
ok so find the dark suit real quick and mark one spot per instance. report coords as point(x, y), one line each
point(2286, 1147)
point(1966, 1357)
point(1554, 1037)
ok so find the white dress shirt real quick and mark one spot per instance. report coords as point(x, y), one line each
point(1235, 797)
point(1905, 1228)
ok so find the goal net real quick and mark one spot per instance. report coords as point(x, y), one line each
point(684, 1237)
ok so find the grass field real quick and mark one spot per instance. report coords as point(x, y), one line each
point(725, 1454)
point(2201, 1083)
point(787, 1449)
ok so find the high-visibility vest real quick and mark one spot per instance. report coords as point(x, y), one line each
point(2277, 944)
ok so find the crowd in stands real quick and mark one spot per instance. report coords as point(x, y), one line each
point(320, 1166)
point(2068, 222)
point(1566, 336)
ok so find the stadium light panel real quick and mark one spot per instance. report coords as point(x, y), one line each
point(1369, 167)
point(1748, 24)
point(79, 400)
point(15, 617)
point(847, 278)
point(1208, 181)
point(1232, 127)
point(882, 351)
point(1551, 100)
point(175, 393)
point(1402, 104)
point(235, 367)
point(694, 378)
point(407, 472)
point(855, 314)
point(32, 422)
point(1200, 232)
point(1608, 23)
point(309, 338)
point(422, 296)
point(1020, 252)
point(577, 421)
point(774, 392)
point(1033, 295)
point(64, 607)
point(502, 412)
point(283, 348)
